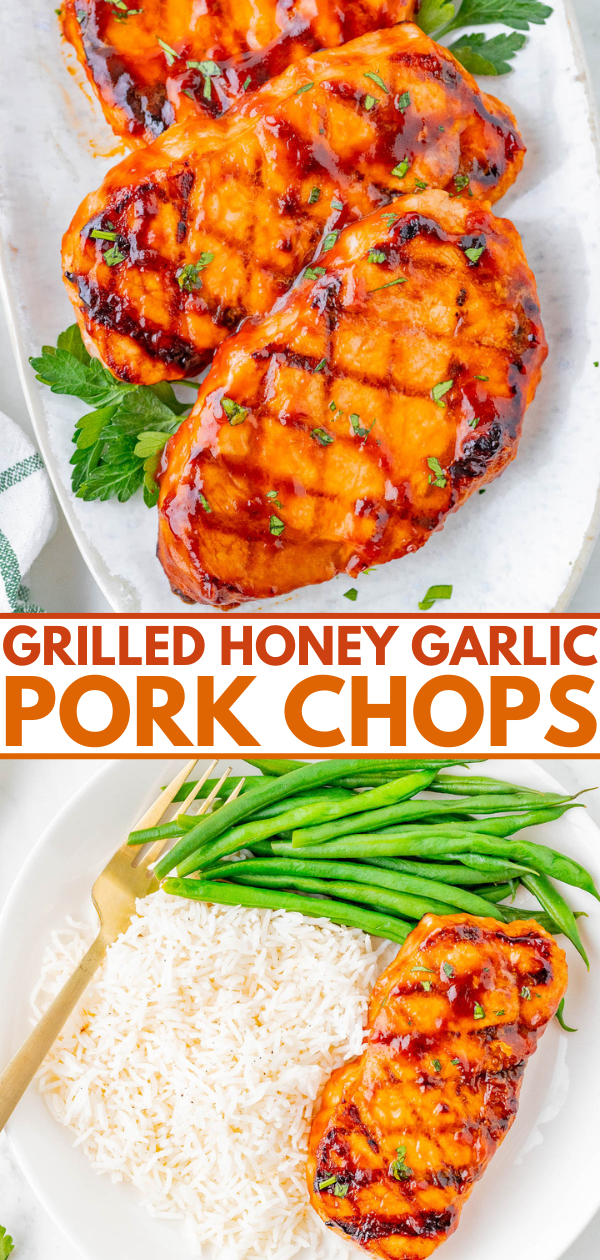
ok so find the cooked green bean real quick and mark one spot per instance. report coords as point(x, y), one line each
point(307, 798)
point(513, 914)
point(480, 864)
point(497, 892)
point(427, 890)
point(240, 837)
point(272, 789)
point(185, 822)
point(474, 785)
point(398, 904)
point(555, 905)
point(410, 810)
point(383, 925)
point(369, 767)
point(452, 874)
point(543, 859)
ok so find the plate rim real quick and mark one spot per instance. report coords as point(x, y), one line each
point(114, 588)
point(13, 899)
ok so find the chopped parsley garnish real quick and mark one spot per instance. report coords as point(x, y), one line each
point(209, 69)
point(336, 205)
point(376, 78)
point(170, 54)
point(390, 219)
point(305, 88)
point(204, 503)
point(473, 422)
point(448, 969)
point(188, 277)
point(234, 412)
point(330, 240)
point(437, 1067)
point(313, 196)
point(478, 1011)
point(398, 1167)
point(437, 476)
point(400, 280)
point(322, 436)
point(246, 84)
point(313, 273)
point(403, 102)
point(426, 985)
point(357, 426)
point(351, 594)
point(482, 378)
point(433, 593)
point(100, 234)
point(339, 1188)
point(273, 495)
point(456, 1062)
point(526, 993)
point(429, 969)
point(276, 526)
point(124, 12)
point(440, 389)
point(370, 102)
point(320, 366)
point(401, 169)
point(376, 256)
point(560, 1017)
point(474, 253)
point(332, 406)
point(461, 182)
point(420, 185)
point(113, 256)
point(487, 56)
point(499, 1013)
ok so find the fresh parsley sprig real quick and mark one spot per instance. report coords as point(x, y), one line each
point(6, 1244)
point(119, 443)
point(476, 53)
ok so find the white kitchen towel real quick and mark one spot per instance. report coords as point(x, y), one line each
point(27, 514)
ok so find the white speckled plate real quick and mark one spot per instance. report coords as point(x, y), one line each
point(523, 546)
point(542, 1186)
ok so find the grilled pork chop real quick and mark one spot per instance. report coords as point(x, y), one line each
point(213, 222)
point(338, 431)
point(154, 62)
point(406, 1130)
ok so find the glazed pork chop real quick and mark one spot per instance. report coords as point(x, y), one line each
point(155, 62)
point(339, 431)
point(213, 222)
point(406, 1130)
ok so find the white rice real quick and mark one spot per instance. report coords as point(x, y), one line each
point(193, 1065)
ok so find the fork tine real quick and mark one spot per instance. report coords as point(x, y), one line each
point(154, 853)
point(154, 814)
point(236, 791)
point(195, 790)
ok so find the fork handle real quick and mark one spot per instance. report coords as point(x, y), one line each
point(23, 1067)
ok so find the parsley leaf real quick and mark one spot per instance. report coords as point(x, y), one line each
point(305, 88)
point(370, 74)
point(204, 503)
point(400, 280)
point(6, 1244)
point(376, 256)
point(487, 56)
point(478, 1011)
point(370, 102)
point(357, 426)
point(439, 390)
point(170, 54)
point(514, 13)
point(276, 526)
point(119, 442)
point(352, 594)
point(433, 593)
point(398, 1167)
point(403, 102)
point(235, 413)
point(401, 169)
point(448, 969)
point(188, 277)
point(474, 253)
point(437, 1067)
point(313, 273)
point(437, 476)
point(313, 196)
point(322, 436)
point(330, 240)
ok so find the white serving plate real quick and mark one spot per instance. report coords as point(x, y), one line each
point(523, 546)
point(542, 1187)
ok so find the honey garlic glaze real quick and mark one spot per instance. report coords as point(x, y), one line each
point(406, 1130)
point(213, 222)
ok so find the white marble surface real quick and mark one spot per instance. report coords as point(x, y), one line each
point(30, 794)
point(60, 581)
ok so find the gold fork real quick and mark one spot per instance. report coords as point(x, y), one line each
point(127, 876)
